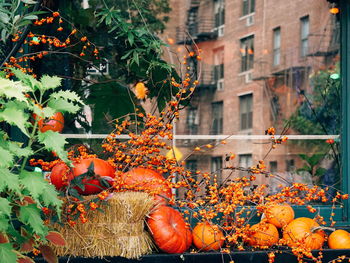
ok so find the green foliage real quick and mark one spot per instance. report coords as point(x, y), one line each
point(24, 193)
point(312, 166)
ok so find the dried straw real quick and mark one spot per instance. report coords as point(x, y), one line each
point(119, 231)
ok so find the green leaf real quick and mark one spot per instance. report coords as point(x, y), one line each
point(50, 198)
point(11, 89)
point(131, 38)
point(30, 2)
point(30, 215)
point(5, 207)
point(9, 181)
point(4, 18)
point(49, 82)
point(7, 254)
point(67, 95)
point(6, 158)
point(30, 17)
point(28, 80)
point(136, 58)
point(55, 142)
point(63, 105)
point(15, 148)
point(16, 117)
point(4, 224)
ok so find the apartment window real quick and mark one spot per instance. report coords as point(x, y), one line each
point(290, 166)
point(216, 167)
point(217, 117)
point(248, 7)
point(246, 111)
point(191, 165)
point(276, 46)
point(304, 36)
point(247, 53)
point(192, 120)
point(219, 13)
point(245, 161)
point(219, 69)
point(273, 167)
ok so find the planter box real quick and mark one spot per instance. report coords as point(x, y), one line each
point(238, 257)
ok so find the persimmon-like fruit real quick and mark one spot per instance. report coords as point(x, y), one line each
point(60, 175)
point(263, 235)
point(339, 239)
point(101, 169)
point(207, 237)
point(54, 123)
point(169, 230)
point(150, 181)
point(279, 215)
point(304, 232)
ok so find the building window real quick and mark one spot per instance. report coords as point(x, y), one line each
point(248, 7)
point(304, 36)
point(219, 13)
point(247, 53)
point(217, 117)
point(273, 167)
point(216, 167)
point(192, 120)
point(276, 46)
point(290, 166)
point(245, 161)
point(219, 69)
point(246, 111)
point(191, 165)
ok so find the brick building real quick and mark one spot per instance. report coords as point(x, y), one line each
point(257, 57)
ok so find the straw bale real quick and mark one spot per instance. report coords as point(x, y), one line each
point(119, 231)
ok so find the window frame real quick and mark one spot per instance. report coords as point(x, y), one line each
point(250, 10)
point(276, 50)
point(304, 39)
point(250, 124)
point(220, 119)
point(247, 60)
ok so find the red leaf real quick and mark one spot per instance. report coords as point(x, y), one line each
point(27, 246)
point(3, 238)
point(56, 238)
point(48, 254)
point(29, 200)
point(25, 260)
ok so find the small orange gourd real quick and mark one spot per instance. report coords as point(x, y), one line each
point(339, 239)
point(279, 215)
point(263, 235)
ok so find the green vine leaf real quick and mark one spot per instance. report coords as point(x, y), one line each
point(11, 89)
point(67, 95)
point(28, 80)
point(49, 82)
point(6, 158)
point(55, 142)
point(4, 224)
point(15, 148)
point(16, 117)
point(6, 253)
point(63, 105)
point(9, 181)
point(5, 207)
point(30, 215)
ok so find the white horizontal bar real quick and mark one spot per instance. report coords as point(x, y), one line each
point(210, 137)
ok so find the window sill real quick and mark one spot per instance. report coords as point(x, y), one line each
point(246, 16)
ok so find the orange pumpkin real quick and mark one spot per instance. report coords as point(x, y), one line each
point(207, 237)
point(279, 214)
point(303, 231)
point(263, 235)
point(169, 230)
point(339, 239)
point(149, 181)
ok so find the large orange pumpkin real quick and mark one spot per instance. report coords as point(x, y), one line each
point(339, 239)
point(302, 231)
point(207, 236)
point(101, 168)
point(169, 230)
point(279, 214)
point(149, 181)
point(263, 235)
point(54, 123)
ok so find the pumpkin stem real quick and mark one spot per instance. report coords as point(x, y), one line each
point(314, 229)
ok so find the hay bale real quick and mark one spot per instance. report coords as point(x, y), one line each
point(119, 231)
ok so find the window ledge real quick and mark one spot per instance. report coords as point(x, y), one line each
point(246, 16)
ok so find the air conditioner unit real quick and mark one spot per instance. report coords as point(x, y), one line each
point(220, 84)
point(221, 31)
point(248, 77)
point(249, 21)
